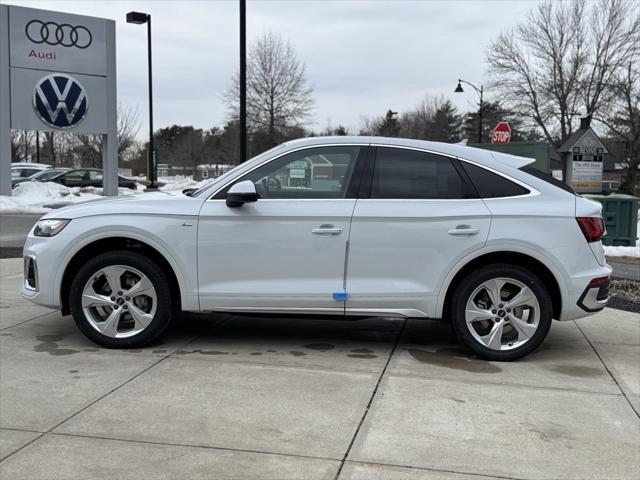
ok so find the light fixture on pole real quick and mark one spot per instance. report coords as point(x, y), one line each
point(459, 89)
point(140, 18)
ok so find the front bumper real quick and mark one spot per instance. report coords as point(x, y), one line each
point(42, 258)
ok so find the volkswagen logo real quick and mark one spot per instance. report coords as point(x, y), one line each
point(54, 34)
point(60, 101)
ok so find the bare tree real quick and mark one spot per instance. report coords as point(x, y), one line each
point(88, 147)
point(435, 118)
point(278, 93)
point(561, 61)
point(623, 122)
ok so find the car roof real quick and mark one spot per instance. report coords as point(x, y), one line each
point(38, 166)
point(482, 156)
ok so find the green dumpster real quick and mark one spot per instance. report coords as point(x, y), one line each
point(620, 213)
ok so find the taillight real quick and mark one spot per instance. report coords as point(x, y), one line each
point(592, 228)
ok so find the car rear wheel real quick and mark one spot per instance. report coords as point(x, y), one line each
point(121, 300)
point(501, 312)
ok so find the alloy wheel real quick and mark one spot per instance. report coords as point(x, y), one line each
point(119, 301)
point(502, 313)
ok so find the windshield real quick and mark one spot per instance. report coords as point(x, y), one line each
point(47, 174)
point(231, 172)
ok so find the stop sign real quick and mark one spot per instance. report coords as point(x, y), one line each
point(502, 133)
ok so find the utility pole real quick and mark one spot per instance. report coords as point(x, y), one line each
point(243, 81)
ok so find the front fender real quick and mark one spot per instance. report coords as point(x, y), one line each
point(174, 237)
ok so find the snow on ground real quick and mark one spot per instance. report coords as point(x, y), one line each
point(625, 251)
point(42, 197)
point(178, 183)
point(622, 251)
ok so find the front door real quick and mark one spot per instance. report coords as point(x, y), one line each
point(418, 217)
point(285, 252)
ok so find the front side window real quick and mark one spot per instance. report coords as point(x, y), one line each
point(73, 176)
point(48, 175)
point(410, 174)
point(320, 172)
point(95, 176)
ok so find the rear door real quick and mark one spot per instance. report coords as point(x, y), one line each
point(415, 219)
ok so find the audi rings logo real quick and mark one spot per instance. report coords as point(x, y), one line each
point(62, 34)
point(60, 101)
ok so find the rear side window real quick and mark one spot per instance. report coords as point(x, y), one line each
point(409, 174)
point(491, 185)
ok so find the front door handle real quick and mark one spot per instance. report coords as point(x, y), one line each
point(327, 229)
point(463, 230)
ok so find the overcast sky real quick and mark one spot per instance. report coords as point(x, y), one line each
point(362, 57)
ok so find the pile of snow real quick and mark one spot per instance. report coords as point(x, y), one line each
point(625, 251)
point(178, 183)
point(42, 197)
point(622, 251)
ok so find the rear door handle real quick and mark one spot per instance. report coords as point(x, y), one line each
point(463, 230)
point(326, 229)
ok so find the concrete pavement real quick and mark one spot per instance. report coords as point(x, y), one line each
point(229, 397)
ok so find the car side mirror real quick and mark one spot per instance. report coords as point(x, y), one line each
point(188, 191)
point(241, 193)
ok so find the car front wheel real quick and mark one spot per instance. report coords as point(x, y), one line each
point(501, 312)
point(121, 299)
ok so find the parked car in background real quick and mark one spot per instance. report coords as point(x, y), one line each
point(24, 170)
point(89, 177)
point(341, 226)
point(610, 186)
point(41, 176)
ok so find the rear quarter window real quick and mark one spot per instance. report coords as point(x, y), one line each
point(547, 178)
point(492, 185)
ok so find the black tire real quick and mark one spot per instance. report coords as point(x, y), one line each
point(154, 273)
point(472, 281)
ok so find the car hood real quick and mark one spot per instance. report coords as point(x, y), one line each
point(151, 203)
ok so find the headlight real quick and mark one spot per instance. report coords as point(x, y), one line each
point(50, 227)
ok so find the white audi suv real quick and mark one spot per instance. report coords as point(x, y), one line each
point(344, 226)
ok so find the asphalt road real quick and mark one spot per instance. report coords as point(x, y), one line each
point(13, 232)
point(625, 271)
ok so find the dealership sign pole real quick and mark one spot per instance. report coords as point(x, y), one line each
point(58, 74)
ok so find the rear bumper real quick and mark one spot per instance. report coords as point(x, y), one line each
point(595, 297)
point(584, 298)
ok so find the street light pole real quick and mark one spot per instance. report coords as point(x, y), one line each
point(152, 151)
point(243, 81)
point(480, 90)
point(140, 18)
point(480, 117)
